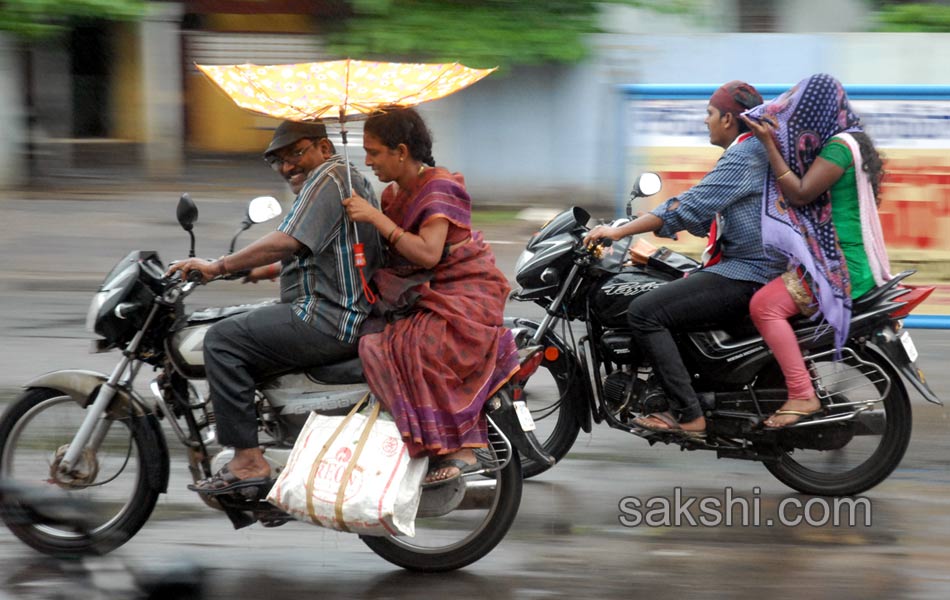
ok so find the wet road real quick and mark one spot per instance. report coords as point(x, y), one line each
point(569, 540)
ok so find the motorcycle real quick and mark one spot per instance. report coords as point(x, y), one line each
point(600, 376)
point(95, 437)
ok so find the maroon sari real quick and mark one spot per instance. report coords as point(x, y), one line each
point(446, 352)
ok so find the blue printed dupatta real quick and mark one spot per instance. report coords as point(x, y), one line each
point(805, 118)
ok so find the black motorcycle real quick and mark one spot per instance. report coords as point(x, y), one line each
point(600, 376)
point(93, 438)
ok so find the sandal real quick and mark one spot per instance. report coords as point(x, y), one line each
point(665, 422)
point(225, 482)
point(462, 466)
point(803, 417)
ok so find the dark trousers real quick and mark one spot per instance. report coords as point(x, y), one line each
point(245, 349)
point(690, 304)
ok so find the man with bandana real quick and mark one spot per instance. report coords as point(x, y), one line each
point(727, 204)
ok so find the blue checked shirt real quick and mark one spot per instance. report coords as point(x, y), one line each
point(734, 190)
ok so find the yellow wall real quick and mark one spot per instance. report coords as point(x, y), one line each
point(126, 86)
point(259, 23)
point(214, 123)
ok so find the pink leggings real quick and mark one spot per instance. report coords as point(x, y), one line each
point(771, 308)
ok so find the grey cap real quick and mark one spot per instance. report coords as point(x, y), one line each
point(290, 132)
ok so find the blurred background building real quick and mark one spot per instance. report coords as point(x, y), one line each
point(108, 99)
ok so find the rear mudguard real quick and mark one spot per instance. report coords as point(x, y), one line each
point(578, 397)
point(502, 412)
point(888, 343)
point(82, 386)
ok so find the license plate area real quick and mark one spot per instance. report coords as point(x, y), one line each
point(524, 416)
point(909, 347)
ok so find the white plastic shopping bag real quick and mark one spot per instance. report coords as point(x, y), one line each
point(351, 474)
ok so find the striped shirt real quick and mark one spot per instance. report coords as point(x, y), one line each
point(322, 281)
point(734, 190)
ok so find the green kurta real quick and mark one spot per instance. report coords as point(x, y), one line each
point(846, 216)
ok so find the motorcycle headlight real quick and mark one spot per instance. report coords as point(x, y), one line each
point(524, 259)
point(109, 295)
point(94, 307)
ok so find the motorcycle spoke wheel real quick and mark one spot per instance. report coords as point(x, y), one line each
point(468, 533)
point(94, 512)
point(871, 445)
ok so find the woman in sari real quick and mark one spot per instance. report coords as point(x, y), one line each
point(437, 349)
point(820, 210)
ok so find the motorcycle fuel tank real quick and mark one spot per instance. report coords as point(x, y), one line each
point(613, 296)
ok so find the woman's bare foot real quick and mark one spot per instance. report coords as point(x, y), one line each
point(792, 412)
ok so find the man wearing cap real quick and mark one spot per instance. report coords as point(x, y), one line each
point(727, 203)
point(321, 297)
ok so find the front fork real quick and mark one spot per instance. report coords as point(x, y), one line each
point(95, 425)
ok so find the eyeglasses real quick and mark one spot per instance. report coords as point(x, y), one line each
point(293, 158)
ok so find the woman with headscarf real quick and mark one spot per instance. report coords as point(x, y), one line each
point(440, 349)
point(820, 211)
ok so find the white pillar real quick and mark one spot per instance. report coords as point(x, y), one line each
point(12, 116)
point(163, 113)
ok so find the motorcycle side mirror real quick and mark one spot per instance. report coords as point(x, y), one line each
point(187, 213)
point(647, 184)
point(262, 209)
point(259, 210)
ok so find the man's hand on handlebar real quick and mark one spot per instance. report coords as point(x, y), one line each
point(601, 232)
point(207, 269)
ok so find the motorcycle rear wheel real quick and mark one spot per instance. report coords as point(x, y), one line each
point(34, 430)
point(867, 459)
point(468, 533)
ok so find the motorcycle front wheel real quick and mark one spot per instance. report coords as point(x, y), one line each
point(97, 508)
point(472, 530)
point(850, 456)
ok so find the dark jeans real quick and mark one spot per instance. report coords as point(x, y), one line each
point(690, 304)
point(245, 349)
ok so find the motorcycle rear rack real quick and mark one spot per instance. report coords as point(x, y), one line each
point(868, 375)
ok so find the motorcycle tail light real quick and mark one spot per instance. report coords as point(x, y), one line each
point(530, 359)
point(911, 300)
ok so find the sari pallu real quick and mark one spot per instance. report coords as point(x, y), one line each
point(805, 118)
point(446, 352)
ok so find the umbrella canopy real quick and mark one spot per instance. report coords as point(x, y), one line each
point(337, 90)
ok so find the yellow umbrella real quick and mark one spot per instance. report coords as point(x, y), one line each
point(337, 90)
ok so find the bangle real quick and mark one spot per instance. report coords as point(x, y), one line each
point(787, 171)
point(398, 237)
point(389, 238)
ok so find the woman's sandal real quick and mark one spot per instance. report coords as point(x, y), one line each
point(803, 417)
point(669, 425)
point(225, 482)
point(462, 466)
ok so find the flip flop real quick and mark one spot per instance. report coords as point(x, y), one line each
point(670, 425)
point(462, 466)
point(803, 417)
point(225, 482)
